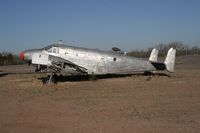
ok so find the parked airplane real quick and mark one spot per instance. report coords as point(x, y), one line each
point(59, 59)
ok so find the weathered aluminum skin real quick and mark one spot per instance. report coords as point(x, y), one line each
point(98, 61)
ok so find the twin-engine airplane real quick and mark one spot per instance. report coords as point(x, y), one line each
point(59, 59)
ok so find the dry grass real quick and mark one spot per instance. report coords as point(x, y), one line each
point(128, 104)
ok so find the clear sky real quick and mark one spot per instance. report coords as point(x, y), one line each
point(128, 24)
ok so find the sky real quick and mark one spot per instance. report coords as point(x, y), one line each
point(102, 24)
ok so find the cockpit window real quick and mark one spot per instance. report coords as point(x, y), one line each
point(50, 50)
point(47, 47)
point(53, 50)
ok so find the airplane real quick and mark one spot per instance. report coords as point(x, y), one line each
point(59, 59)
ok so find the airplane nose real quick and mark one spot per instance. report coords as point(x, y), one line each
point(22, 55)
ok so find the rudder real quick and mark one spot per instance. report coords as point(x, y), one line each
point(154, 55)
point(170, 60)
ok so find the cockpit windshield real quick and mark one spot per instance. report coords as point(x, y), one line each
point(51, 48)
point(47, 47)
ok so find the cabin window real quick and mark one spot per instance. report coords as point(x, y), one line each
point(114, 59)
point(55, 50)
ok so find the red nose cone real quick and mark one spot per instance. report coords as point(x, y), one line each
point(22, 55)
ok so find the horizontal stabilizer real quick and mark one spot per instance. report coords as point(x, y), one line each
point(159, 65)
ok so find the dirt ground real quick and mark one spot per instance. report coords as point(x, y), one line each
point(162, 103)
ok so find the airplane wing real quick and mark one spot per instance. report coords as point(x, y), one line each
point(56, 64)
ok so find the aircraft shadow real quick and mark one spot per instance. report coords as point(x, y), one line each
point(77, 78)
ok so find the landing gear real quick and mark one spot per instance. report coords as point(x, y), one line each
point(93, 77)
point(149, 73)
point(51, 79)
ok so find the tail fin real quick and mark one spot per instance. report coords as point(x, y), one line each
point(170, 60)
point(154, 55)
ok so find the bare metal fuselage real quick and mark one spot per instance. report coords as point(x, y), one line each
point(100, 62)
point(58, 59)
